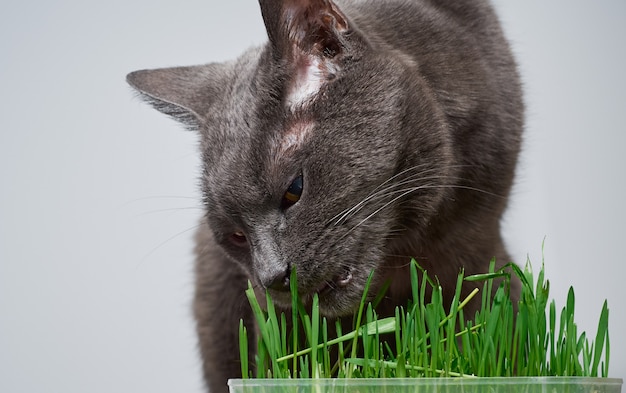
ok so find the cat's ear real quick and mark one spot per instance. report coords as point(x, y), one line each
point(314, 27)
point(185, 93)
point(312, 37)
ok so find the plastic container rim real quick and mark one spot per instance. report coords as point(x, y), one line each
point(466, 381)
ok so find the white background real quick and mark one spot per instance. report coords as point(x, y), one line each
point(98, 192)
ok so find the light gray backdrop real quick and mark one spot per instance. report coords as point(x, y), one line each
point(98, 195)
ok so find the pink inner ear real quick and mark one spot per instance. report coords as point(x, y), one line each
point(310, 74)
point(310, 21)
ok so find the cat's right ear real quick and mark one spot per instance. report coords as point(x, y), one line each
point(185, 93)
point(314, 27)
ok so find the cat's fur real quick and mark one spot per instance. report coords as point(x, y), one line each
point(404, 118)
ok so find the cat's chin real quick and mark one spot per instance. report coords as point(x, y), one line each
point(332, 304)
point(340, 281)
point(337, 297)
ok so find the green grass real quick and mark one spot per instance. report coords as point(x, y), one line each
point(431, 339)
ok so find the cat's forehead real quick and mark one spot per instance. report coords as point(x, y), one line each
point(293, 137)
point(304, 88)
point(286, 145)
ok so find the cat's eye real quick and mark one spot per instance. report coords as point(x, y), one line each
point(239, 238)
point(293, 193)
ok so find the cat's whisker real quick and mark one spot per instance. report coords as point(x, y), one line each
point(480, 190)
point(378, 211)
point(400, 266)
point(375, 191)
point(162, 197)
point(172, 209)
point(379, 193)
point(384, 193)
point(407, 191)
point(400, 174)
point(163, 243)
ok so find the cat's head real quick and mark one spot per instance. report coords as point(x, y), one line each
point(319, 149)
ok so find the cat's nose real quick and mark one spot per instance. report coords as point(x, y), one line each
point(278, 281)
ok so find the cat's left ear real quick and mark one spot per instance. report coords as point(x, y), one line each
point(185, 93)
point(312, 27)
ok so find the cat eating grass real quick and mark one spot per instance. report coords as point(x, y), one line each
point(363, 134)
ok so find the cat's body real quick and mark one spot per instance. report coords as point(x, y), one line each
point(363, 134)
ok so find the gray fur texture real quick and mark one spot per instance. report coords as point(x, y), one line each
point(402, 118)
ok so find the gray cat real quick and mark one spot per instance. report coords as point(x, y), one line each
point(362, 134)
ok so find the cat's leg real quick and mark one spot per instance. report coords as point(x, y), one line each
point(219, 304)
